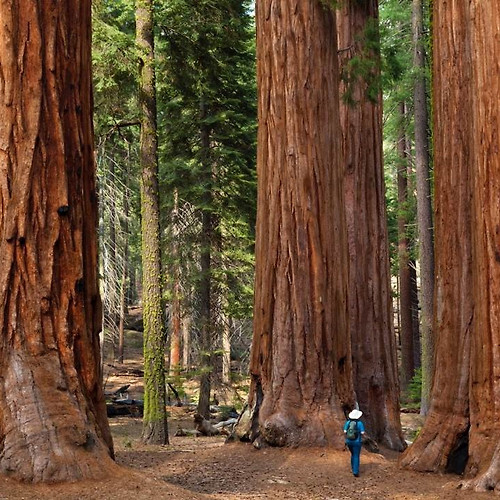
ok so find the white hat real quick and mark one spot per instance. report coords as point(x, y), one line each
point(355, 414)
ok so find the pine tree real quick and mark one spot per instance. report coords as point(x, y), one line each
point(208, 157)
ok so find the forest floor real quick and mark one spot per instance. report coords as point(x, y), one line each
point(196, 468)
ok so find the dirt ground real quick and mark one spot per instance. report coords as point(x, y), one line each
point(206, 468)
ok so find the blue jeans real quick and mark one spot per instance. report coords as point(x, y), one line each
point(355, 449)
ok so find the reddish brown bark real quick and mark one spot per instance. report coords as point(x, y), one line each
point(466, 319)
point(301, 359)
point(484, 447)
point(175, 332)
point(53, 424)
point(370, 302)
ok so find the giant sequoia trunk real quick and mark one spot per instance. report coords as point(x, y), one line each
point(447, 419)
point(370, 301)
point(53, 424)
point(484, 446)
point(301, 359)
point(155, 416)
point(461, 431)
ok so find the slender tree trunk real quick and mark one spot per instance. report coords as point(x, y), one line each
point(113, 279)
point(415, 317)
point(301, 358)
point(226, 350)
point(123, 308)
point(175, 319)
point(186, 342)
point(53, 424)
point(370, 302)
point(155, 417)
point(175, 328)
point(424, 204)
point(206, 284)
point(124, 278)
point(405, 285)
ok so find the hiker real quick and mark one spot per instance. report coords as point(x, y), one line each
point(353, 430)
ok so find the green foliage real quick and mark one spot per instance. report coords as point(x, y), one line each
point(412, 398)
point(365, 65)
point(206, 81)
point(114, 63)
point(397, 83)
point(116, 134)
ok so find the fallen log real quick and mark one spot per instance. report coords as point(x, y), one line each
point(123, 370)
point(225, 423)
point(206, 428)
point(121, 407)
point(187, 432)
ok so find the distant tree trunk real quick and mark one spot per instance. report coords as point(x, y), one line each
point(53, 424)
point(175, 318)
point(124, 278)
point(405, 286)
point(226, 350)
point(155, 417)
point(444, 440)
point(370, 302)
point(186, 342)
point(175, 331)
point(206, 322)
point(415, 316)
point(301, 359)
point(424, 204)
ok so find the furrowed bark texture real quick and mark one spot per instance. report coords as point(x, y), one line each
point(155, 416)
point(53, 424)
point(370, 301)
point(484, 446)
point(447, 419)
point(301, 359)
point(466, 390)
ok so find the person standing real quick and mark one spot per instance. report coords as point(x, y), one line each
point(353, 431)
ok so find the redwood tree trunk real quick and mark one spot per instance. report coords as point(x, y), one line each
point(370, 301)
point(445, 434)
point(155, 416)
point(484, 446)
point(53, 424)
point(301, 358)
